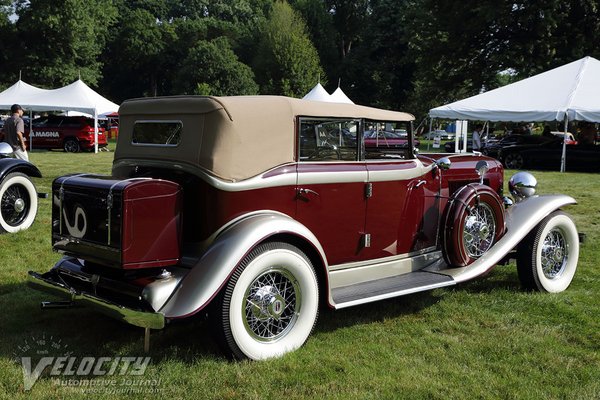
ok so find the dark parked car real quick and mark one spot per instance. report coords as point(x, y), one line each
point(258, 210)
point(72, 134)
point(18, 195)
point(449, 147)
point(492, 148)
point(547, 155)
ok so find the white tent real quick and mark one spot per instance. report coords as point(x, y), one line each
point(565, 93)
point(338, 96)
point(17, 93)
point(74, 97)
point(318, 93)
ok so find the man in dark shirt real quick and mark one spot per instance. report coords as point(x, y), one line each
point(14, 129)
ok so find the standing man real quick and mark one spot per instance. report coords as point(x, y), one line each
point(478, 137)
point(14, 129)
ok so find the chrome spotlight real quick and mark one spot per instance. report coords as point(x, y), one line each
point(522, 185)
point(6, 150)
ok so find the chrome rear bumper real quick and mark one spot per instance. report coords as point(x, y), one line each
point(144, 319)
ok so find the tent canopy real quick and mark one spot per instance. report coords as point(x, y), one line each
point(17, 93)
point(567, 91)
point(74, 97)
point(318, 93)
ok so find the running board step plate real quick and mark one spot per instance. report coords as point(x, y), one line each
point(386, 288)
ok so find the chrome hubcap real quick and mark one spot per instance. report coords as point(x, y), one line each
point(19, 205)
point(555, 254)
point(479, 230)
point(271, 305)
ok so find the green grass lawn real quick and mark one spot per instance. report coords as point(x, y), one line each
point(483, 339)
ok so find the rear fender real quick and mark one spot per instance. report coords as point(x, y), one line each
point(219, 261)
point(10, 165)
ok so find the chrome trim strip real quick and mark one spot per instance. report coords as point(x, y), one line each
point(400, 174)
point(289, 177)
point(380, 270)
point(144, 319)
point(257, 182)
point(393, 294)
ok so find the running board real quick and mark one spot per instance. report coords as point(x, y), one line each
point(366, 292)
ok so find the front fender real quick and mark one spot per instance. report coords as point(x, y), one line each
point(9, 165)
point(521, 218)
point(219, 261)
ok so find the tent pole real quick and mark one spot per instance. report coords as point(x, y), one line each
point(30, 127)
point(429, 133)
point(95, 130)
point(563, 158)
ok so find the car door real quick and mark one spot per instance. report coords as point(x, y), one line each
point(330, 192)
point(402, 209)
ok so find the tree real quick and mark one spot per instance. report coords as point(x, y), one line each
point(287, 62)
point(460, 48)
point(322, 33)
point(140, 55)
point(212, 68)
point(7, 43)
point(349, 18)
point(62, 39)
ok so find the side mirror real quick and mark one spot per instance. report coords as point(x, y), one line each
point(444, 163)
point(482, 167)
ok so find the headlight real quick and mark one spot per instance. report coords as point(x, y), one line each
point(522, 185)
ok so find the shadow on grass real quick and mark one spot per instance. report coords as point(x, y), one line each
point(85, 332)
point(502, 277)
point(331, 320)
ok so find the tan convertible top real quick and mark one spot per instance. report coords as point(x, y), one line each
point(233, 138)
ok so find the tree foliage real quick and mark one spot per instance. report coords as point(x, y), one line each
point(60, 40)
point(400, 54)
point(287, 62)
point(212, 68)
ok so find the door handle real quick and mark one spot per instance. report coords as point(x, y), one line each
point(420, 183)
point(307, 191)
point(302, 193)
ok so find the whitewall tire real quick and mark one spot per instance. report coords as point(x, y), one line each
point(18, 203)
point(547, 257)
point(270, 304)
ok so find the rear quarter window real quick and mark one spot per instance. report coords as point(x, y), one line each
point(157, 133)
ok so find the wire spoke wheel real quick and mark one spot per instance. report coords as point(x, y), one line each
point(15, 204)
point(18, 202)
point(272, 305)
point(555, 254)
point(478, 233)
point(547, 257)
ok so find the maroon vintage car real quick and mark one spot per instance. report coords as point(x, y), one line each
point(257, 210)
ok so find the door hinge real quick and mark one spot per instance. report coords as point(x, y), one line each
point(368, 190)
point(365, 240)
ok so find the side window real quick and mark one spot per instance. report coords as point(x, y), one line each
point(328, 139)
point(157, 133)
point(386, 140)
